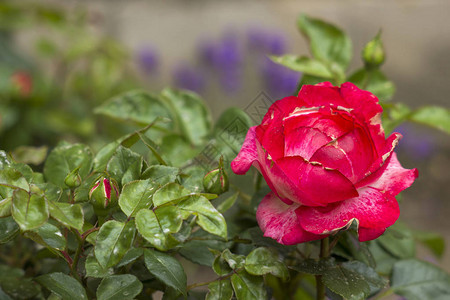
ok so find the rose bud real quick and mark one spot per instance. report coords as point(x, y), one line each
point(104, 195)
point(23, 82)
point(373, 52)
point(73, 179)
point(216, 181)
point(328, 163)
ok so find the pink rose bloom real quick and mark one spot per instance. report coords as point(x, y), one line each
point(326, 159)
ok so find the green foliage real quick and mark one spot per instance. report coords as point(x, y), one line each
point(63, 285)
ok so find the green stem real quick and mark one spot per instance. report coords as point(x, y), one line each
point(192, 286)
point(76, 258)
point(324, 252)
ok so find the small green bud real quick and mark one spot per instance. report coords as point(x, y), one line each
point(216, 181)
point(73, 179)
point(373, 52)
point(104, 196)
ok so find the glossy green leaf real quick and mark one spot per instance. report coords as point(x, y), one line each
point(208, 217)
point(48, 235)
point(433, 116)
point(125, 165)
point(161, 174)
point(11, 179)
point(198, 251)
point(153, 147)
point(94, 269)
point(375, 82)
point(345, 282)
point(119, 287)
point(220, 266)
point(5, 207)
point(248, 287)
point(63, 285)
point(304, 64)
point(156, 226)
point(170, 193)
point(314, 267)
point(220, 290)
point(167, 269)
point(177, 150)
point(417, 280)
point(262, 261)
point(70, 215)
point(136, 106)
point(132, 255)
point(227, 203)
point(113, 241)
point(8, 229)
point(235, 261)
point(328, 43)
point(65, 158)
point(190, 114)
point(136, 195)
point(29, 211)
point(375, 281)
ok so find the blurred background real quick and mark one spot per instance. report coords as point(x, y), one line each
point(61, 59)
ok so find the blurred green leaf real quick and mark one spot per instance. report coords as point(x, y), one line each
point(328, 43)
point(29, 211)
point(375, 82)
point(398, 240)
point(248, 287)
point(177, 150)
point(433, 116)
point(65, 158)
point(304, 64)
point(262, 261)
point(70, 215)
point(434, 241)
point(5, 207)
point(119, 287)
point(190, 113)
point(63, 285)
point(170, 193)
point(30, 155)
point(418, 280)
point(137, 106)
point(19, 288)
point(113, 241)
point(208, 217)
point(314, 267)
point(167, 269)
point(227, 203)
point(220, 290)
point(375, 281)
point(136, 195)
point(198, 251)
point(156, 226)
point(8, 229)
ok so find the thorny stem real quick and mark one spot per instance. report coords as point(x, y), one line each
point(324, 252)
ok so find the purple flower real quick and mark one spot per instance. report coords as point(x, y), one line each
point(279, 80)
point(416, 144)
point(266, 42)
point(147, 59)
point(189, 78)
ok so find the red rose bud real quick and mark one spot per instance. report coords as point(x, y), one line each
point(216, 181)
point(23, 82)
point(373, 52)
point(104, 195)
point(73, 179)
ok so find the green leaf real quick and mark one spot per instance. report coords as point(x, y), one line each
point(208, 217)
point(13, 178)
point(113, 241)
point(63, 285)
point(262, 261)
point(433, 116)
point(417, 280)
point(235, 261)
point(166, 269)
point(328, 43)
point(130, 256)
point(398, 241)
point(177, 150)
point(119, 287)
point(375, 281)
point(29, 211)
point(375, 82)
point(434, 241)
point(314, 267)
point(220, 266)
point(156, 226)
point(345, 282)
point(190, 114)
point(220, 290)
point(48, 235)
point(136, 106)
point(8, 229)
point(248, 287)
point(136, 195)
point(5, 207)
point(161, 174)
point(70, 215)
point(20, 288)
point(125, 165)
point(94, 269)
point(227, 203)
point(170, 193)
point(30, 155)
point(65, 158)
point(198, 251)
point(304, 64)
point(152, 146)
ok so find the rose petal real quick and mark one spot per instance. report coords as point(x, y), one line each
point(317, 183)
point(281, 108)
point(373, 209)
point(248, 154)
point(272, 138)
point(318, 95)
point(368, 234)
point(279, 221)
point(303, 142)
